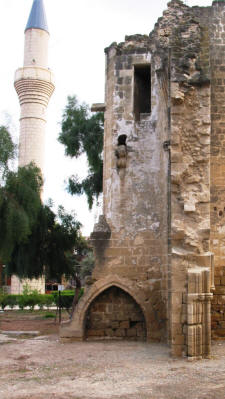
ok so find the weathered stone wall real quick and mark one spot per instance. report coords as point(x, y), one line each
point(137, 248)
point(190, 170)
point(190, 127)
point(133, 245)
point(218, 164)
point(115, 314)
point(163, 186)
point(180, 42)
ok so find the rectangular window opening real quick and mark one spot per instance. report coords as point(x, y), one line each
point(142, 90)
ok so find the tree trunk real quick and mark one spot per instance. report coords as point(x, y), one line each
point(76, 294)
point(1, 270)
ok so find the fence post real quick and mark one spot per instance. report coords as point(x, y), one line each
point(60, 307)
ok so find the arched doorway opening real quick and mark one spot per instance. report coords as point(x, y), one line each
point(114, 314)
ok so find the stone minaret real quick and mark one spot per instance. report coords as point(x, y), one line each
point(34, 84)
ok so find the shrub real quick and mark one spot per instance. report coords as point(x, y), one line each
point(11, 300)
point(3, 301)
point(49, 315)
point(42, 300)
point(8, 300)
point(22, 303)
point(48, 300)
point(66, 298)
point(33, 298)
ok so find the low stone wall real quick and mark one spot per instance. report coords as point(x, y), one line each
point(114, 314)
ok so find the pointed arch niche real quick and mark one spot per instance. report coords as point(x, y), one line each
point(110, 304)
point(114, 314)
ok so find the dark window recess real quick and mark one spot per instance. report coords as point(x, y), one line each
point(122, 139)
point(142, 90)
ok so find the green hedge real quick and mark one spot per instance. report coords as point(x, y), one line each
point(34, 299)
point(23, 301)
point(66, 298)
point(8, 300)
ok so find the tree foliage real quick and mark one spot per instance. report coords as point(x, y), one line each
point(81, 133)
point(49, 248)
point(87, 265)
point(7, 151)
point(19, 207)
point(33, 239)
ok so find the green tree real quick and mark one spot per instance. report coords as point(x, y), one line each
point(33, 239)
point(19, 198)
point(81, 133)
point(87, 265)
point(7, 152)
point(50, 246)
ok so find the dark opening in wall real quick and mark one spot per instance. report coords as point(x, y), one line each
point(122, 139)
point(142, 90)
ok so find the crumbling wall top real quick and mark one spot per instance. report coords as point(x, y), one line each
point(131, 42)
point(184, 32)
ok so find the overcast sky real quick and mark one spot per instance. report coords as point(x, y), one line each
point(79, 32)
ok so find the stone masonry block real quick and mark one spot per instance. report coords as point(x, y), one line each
point(96, 333)
point(124, 324)
point(131, 332)
point(120, 332)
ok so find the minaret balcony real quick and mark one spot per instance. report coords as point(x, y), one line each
point(34, 72)
point(34, 84)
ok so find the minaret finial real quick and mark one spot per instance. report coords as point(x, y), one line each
point(37, 18)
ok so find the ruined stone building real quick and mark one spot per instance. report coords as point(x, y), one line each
point(161, 239)
point(34, 84)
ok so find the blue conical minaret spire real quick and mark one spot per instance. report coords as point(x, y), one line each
point(37, 18)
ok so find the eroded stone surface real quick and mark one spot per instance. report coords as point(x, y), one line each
point(164, 196)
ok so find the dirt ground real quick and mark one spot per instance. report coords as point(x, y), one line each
point(40, 367)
